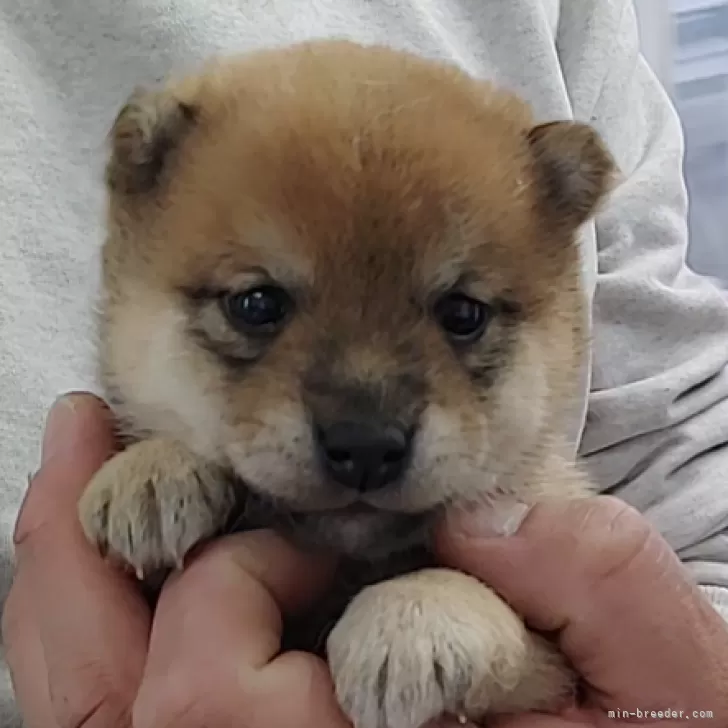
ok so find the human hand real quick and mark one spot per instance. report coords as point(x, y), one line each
point(75, 630)
point(597, 576)
point(80, 640)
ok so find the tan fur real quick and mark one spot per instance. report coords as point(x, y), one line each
point(366, 182)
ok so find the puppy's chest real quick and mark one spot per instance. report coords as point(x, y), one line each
point(310, 630)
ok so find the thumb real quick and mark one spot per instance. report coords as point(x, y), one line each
point(587, 570)
point(87, 624)
point(78, 438)
point(73, 417)
point(548, 559)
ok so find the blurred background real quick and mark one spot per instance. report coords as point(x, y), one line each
point(686, 42)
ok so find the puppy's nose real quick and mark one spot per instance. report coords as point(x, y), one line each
point(363, 456)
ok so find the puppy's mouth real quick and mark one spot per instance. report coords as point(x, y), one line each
point(359, 531)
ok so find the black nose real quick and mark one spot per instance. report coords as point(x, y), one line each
point(363, 456)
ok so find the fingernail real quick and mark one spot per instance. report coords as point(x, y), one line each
point(499, 518)
point(59, 432)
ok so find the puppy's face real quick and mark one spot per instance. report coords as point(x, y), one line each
point(350, 276)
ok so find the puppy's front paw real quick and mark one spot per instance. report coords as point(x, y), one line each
point(437, 642)
point(153, 502)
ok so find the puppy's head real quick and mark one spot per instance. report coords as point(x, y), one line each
point(351, 276)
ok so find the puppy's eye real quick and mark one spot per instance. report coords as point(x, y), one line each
point(462, 318)
point(261, 310)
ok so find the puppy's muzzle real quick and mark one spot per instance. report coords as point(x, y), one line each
point(364, 456)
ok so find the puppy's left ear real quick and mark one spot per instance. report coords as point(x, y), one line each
point(574, 170)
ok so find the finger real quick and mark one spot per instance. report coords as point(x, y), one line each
point(576, 718)
point(92, 622)
point(216, 632)
point(533, 720)
point(25, 658)
point(307, 681)
point(593, 569)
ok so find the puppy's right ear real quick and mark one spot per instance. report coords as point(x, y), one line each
point(147, 131)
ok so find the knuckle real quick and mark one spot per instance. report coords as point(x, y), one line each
point(112, 711)
point(11, 615)
point(171, 701)
point(80, 698)
point(624, 537)
point(31, 517)
point(91, 696)
point(615, 508)
point(624, 523)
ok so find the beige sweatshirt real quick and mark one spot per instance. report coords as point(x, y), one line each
point(657, 422)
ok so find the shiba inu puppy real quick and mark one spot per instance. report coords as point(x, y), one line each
point(342, 293)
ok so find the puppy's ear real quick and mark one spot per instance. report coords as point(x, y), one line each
point(147, 130)
point(573, 169)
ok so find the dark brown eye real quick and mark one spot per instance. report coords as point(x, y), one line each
point(464, 319)
point(261, 310)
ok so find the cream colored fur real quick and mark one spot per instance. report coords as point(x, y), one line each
point(364, 181)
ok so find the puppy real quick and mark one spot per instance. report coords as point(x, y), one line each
point(342, 293)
